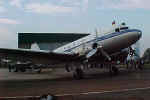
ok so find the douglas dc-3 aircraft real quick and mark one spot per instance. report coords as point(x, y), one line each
point(104, 49)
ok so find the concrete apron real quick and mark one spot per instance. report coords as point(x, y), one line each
point(124, 94)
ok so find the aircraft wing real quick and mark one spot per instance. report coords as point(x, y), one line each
point(40, 55)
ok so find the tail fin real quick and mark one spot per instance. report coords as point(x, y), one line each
point(35, 46)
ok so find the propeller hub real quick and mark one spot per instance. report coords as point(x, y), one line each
point(94, 45)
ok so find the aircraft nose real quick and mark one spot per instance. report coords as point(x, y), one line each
point(139, 34)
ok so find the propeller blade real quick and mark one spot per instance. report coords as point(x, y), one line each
point(105, 54)
point(91, 53)
point(131, 51)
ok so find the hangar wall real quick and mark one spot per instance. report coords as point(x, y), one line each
point(47, 41)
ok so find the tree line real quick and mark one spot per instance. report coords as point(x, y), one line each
point(146, 56)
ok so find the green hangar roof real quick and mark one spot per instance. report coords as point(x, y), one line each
point(49, 37)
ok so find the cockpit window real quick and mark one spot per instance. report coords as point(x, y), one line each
point(117, 30)
point(123, 28)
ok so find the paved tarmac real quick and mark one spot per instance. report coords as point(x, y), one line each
point(59, 82)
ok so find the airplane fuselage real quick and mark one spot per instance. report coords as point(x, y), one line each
point(111, 42)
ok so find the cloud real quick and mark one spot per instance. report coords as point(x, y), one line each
point(48, 8)
point(124, 4)
point(16, 3)
point(8, 21)
point(71, 2)
point(8, 39)
point(83, 4)
point(51, 7)
point(2, 9)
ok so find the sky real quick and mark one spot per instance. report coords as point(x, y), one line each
point(71, 16)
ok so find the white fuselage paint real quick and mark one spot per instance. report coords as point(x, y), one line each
point(110, 42)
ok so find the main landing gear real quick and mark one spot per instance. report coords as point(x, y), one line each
point(76, 69)
point(113, 70)
point(78, 73)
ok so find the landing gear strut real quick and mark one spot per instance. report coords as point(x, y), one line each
point(78, 73)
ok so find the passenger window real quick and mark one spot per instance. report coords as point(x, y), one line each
point(117, 30)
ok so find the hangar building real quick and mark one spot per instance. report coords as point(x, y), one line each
point(47, 41)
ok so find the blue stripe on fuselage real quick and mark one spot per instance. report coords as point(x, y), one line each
point(107, 37)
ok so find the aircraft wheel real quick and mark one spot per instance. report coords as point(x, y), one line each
point(78, 74)
point(115, 70)
point(67, 68)
point(15, 69)
point(140, 67)
point(39, 71)
point(22, 69)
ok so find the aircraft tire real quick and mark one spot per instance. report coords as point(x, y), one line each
point(115, 70)
point(15, 69)
point(22, 69)
point(140, 67)
point(67, 68)
point(39, 71)
point(78, 74)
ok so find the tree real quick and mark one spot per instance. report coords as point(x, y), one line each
point(146, 56)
